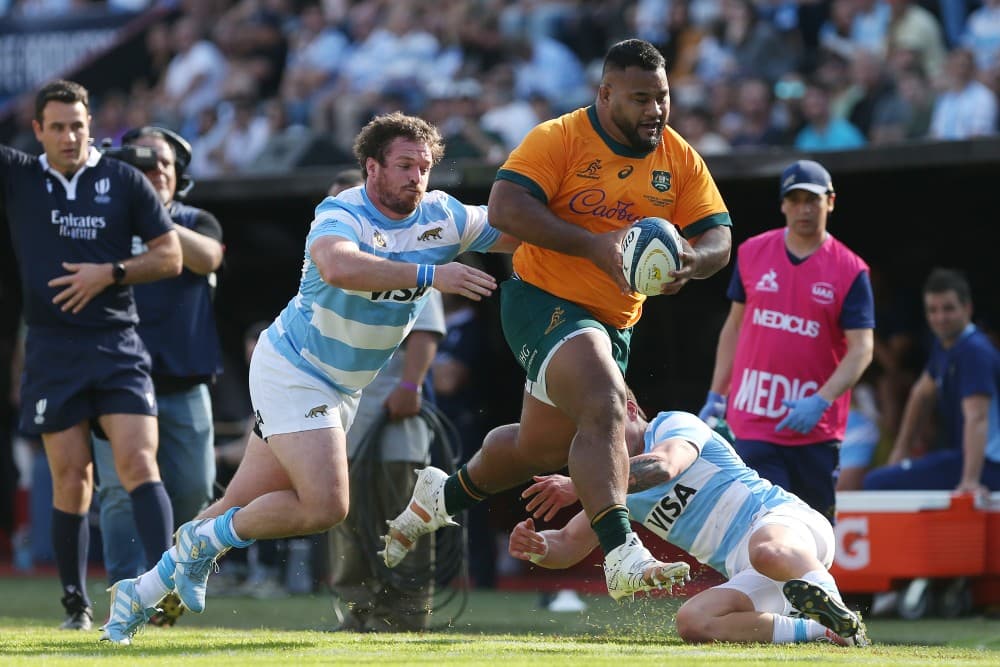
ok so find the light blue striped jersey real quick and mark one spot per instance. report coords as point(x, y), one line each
point(707, 509)
point(345, 337)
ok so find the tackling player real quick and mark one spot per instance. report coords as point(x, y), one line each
point(688, 486)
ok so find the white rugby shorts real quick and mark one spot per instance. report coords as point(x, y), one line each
point(287, 399)
point(766, 594)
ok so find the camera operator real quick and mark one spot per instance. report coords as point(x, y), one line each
point(177, 323)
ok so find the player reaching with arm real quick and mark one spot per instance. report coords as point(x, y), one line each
point(72, 215)
point(570, 191)
point(689, 487)
point(370, 257)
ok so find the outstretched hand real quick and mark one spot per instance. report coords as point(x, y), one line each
point(549, 494)
point(526, 543)
point(458, 278)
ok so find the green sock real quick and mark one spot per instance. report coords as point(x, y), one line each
point(460, 493)
point(612, 527)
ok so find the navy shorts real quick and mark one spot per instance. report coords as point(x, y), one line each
point(805, 470)
point(74, 375)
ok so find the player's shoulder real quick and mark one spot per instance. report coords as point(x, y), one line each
point(680, 424)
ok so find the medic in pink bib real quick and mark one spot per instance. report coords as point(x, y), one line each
point(798, 336)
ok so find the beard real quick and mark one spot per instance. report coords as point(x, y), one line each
point(401, 200)
point(635, 140)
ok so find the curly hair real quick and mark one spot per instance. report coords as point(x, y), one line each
point(374, 139)
point(60, 90)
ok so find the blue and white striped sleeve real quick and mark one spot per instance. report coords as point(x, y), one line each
point(476, 233)
point(681, 425)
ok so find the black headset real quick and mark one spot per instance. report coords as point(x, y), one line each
point(182, 153)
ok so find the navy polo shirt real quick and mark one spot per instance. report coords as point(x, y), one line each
point(88, 218)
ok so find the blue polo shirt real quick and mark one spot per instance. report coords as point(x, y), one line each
point(970, 367)
point(88, 218)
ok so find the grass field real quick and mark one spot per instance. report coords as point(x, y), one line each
point(496, 627)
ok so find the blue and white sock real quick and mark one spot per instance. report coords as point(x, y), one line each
point(220, 532)
point(788, 630)
point(153, 585)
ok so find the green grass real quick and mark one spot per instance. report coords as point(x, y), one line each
point(497, 628)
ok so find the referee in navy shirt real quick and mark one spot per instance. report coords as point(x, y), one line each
point(72, 215)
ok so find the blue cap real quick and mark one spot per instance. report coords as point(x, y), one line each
point(806, 175)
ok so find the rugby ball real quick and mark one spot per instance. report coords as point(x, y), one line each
point(650, 251)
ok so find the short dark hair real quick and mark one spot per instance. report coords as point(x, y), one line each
point(60, 90)
point(633, 53)
point(948, 280)
point(375, 137)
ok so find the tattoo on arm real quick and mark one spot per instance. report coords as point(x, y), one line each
point(645, 472)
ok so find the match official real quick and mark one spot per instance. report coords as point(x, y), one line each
point(72, 215)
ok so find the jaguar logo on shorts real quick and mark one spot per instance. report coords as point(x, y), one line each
point(318, 411)
point(660, 181)
point(558, 317)
point(40, 406)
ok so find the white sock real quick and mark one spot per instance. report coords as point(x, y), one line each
point(825, 579)
point(207, 529)
point(788, 630)
point(150, 588)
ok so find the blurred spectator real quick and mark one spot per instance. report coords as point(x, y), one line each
point(870, 88)
point(252, 37)
point(870, 27)
point(966, 108)
point(505, 116)
point(835, 35)
point(195, 75)
point(739, 45)
point(315, 53)
point(546, 66)
point(756, 126)
point(110, 118)
point(695, 125)
point(982, 34)
point(823, 132)
point(907, 115)
point(456, 111)
point(242, 139)
point(913, 27)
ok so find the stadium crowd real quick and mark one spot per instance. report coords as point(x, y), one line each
point(233, 76)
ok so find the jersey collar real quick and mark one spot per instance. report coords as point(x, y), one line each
point(93, 157)
point(615, 146)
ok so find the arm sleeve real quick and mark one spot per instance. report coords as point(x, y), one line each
point(538, 164)
point(208, 225)
point(736, 291)
point(682, 425)
point(975, 375)
point(858, 311)
point(477, 234)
